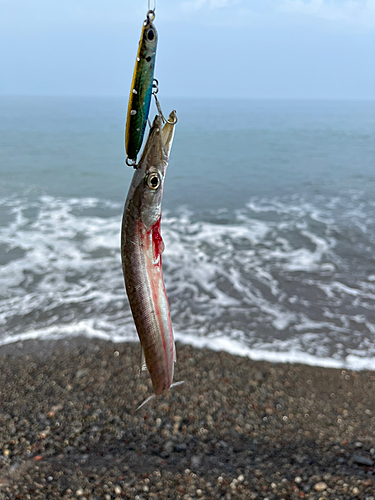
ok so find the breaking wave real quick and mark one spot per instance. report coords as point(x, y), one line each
point(283, 279)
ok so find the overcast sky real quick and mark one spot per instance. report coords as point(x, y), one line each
point(218, 48)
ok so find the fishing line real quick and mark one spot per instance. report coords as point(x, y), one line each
point(151, 12)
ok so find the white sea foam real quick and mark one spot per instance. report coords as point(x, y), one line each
point(292, 355)
point(86, 328)
point(274, 282)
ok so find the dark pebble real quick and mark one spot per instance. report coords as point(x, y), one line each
point(361, 460)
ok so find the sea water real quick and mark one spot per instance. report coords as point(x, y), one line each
point(268, 223)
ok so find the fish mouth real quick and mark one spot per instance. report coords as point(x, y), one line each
point(166, 130)
point(159, 141)
point(167, 134)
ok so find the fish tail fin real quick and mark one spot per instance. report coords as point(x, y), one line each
point(145, 402)
point(177, 383)
point(153, 395)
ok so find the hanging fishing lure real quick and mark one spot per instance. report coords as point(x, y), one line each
point(141, 89)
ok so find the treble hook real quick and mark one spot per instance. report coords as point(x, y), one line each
point(155, 90)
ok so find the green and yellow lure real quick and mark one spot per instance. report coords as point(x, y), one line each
point(141, 89)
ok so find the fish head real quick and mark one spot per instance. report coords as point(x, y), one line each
point(152, 169)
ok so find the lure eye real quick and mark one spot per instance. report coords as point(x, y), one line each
point(150, 35)
point(153, 181)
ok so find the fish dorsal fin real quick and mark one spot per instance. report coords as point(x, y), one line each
point(143, 361)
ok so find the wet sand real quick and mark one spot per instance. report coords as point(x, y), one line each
point(237, 428)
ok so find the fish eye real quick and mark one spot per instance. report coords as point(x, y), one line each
point(150, 35)
point(153, 181)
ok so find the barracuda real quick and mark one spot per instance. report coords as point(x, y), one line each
point(141, 249)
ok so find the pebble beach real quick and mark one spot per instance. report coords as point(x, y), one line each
point(236, 429)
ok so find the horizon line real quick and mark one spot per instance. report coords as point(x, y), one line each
point(211, 98)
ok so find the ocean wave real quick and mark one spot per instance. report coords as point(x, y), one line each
point(291, 277)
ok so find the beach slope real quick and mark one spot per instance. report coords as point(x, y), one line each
point(237, 429)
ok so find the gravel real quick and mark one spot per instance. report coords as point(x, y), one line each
point(237, 429)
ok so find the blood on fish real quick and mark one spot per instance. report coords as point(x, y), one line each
point(157, 240)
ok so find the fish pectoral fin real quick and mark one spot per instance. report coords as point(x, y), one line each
point(161, 245)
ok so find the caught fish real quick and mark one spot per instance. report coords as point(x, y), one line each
point(141, 90)
point(141, 249)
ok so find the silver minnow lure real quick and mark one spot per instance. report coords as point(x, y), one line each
point(141, 249)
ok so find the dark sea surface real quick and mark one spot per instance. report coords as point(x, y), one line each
point(268, 222)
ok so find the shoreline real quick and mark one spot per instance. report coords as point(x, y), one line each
point(237, 428)
point(218, 344)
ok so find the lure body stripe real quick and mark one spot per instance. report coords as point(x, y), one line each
point(141, 249)
point(141, 90)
